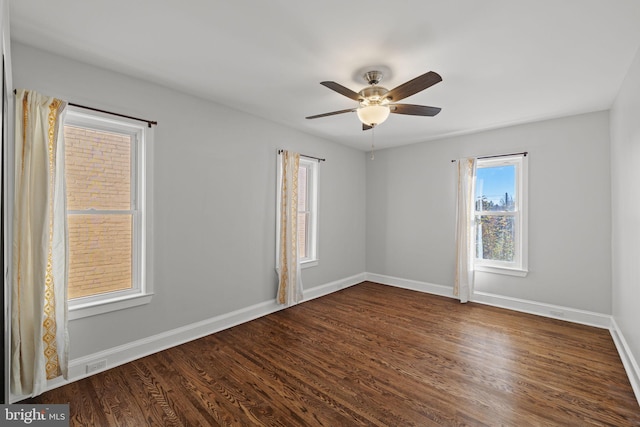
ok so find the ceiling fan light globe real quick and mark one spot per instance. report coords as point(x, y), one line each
point(373, 114)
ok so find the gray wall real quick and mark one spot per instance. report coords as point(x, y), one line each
point(214, 200)
point(411, 211)
point(625, 158)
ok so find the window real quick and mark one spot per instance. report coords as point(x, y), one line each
point(105, 179)
point(307, 217)
point(500, 215)
point(307, 212)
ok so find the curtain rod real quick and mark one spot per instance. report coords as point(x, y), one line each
point(148, 122)
point(524, 153)
point(308, 157)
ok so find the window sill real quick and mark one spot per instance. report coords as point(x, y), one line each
point(91, 309)
point(501, 270)
point(310, 263)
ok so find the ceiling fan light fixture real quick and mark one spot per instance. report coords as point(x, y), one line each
point(373, 115)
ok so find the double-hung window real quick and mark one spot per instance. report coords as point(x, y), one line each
point(106, 212)
point(500, 215)
point(307, 210)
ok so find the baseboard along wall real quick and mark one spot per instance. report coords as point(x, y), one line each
point(88, 365)
point(629, 362)
point(568, 314)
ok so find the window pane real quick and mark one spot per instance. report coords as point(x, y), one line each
point(496, 188)
point(302, 235)
point(98, 169)
point(99, 254)
point(302, 188)
point(495, 238)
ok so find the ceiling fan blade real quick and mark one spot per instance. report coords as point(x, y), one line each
point(414, 110)
point(333, 113)
point(342, 90)
point(366, 127)
point(414, 86)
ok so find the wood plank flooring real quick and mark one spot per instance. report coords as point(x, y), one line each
point(370, 355)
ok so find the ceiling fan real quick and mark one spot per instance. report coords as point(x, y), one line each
point(376, 102)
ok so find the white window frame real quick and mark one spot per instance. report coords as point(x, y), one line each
point(141, 140)
point(311, 212)
point(311, 243)
point(519, 266)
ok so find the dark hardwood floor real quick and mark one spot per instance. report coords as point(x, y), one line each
point(370, 355)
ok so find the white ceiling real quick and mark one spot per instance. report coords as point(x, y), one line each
point(502, 61)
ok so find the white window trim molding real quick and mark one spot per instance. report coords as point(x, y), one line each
point(501, 270)
point(80, 311)
point(312, 243)
point(143, 243)
point(521, 267)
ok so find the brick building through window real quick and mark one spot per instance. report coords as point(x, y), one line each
point(98, 175)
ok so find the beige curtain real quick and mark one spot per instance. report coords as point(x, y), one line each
point(463, 285)
point(39, 339)
point(290, 280)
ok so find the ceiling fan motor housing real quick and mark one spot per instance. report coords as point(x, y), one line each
point(373, 95)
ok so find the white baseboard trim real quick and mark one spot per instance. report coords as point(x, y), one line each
point(588, 318)
point(569, 314)
point(516, 304)
point(335, 286)
point(414, 285)
point(137, 349)
point(129, 352)
point(630, 364)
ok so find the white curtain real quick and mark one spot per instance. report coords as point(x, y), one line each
point(290, 279)
point(39, 338)
point(463, 285)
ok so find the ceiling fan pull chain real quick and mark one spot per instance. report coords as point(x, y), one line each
point(373, 130)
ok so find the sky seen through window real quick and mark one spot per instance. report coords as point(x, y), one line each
point(494, 182)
